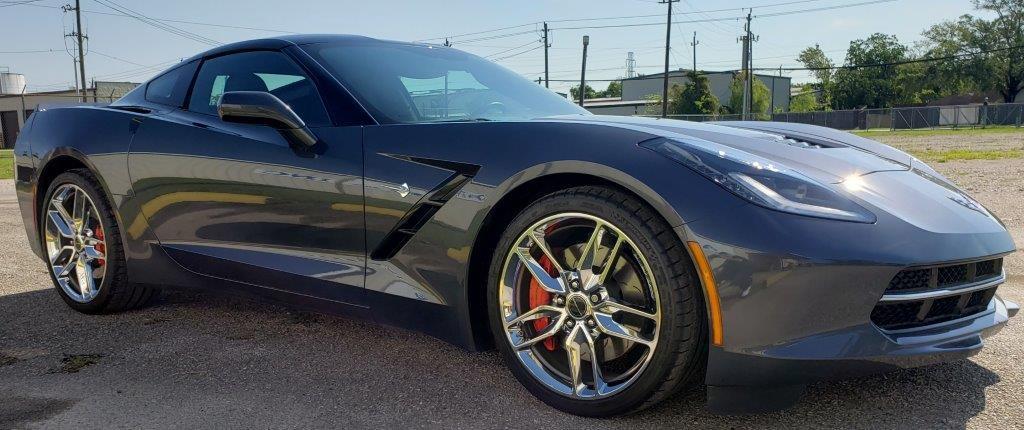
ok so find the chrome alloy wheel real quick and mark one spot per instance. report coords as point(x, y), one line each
point(580, 305)
point(74, 243)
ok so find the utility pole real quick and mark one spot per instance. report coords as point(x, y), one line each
point(694, 45)
point(668, 46)
point(748, 73)
point(80, 37)
point(583, 72)
point(81, 47)
point(546, 46)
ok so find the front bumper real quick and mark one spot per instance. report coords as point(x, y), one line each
point(796, 297)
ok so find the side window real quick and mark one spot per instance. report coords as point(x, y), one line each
point(266, 71)
point(170, 88)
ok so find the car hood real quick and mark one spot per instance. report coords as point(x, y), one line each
point(823, 158)
point(891, 180)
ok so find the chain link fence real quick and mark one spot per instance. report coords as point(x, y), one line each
point(904, 118)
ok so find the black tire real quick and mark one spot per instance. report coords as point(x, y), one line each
point(682, 347)
point(115, 292)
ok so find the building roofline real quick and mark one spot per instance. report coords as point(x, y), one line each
point(683, 72)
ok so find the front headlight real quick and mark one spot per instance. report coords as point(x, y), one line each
point(760, 181)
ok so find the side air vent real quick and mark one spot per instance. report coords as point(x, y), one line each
point(425, 209)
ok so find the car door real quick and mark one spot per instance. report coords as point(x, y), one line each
point(238, 201)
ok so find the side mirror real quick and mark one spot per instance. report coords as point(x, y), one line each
point(262, 108)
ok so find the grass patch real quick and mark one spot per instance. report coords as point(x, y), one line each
point(6, 360)
point(967, 154)
point(940, 132)
point(72, 363)
point(6, 164)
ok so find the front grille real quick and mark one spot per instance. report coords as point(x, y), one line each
point(903, 314)
point(911, 280)
point(920, 279)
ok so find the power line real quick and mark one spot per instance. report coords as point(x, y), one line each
point(519, 53)
point(154, 23)
point(176, 21)
point(606, 18)
point(93, 51)
point(510, 49)
point(647, 24)
point(820, 9)
point(9, 4)
point(895, 63)
point(31, 51)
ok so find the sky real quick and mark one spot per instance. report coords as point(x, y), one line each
point(123, 48)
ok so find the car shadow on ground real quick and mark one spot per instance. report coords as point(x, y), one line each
point(229, 353)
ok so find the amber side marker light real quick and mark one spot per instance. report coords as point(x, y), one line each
point(710, 290)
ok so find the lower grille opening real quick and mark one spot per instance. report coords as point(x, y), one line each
point(920, 313)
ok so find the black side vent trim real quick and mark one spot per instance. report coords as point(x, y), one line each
point(428, 205)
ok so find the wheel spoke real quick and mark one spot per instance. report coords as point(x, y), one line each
point(575, 342)
point(547, 282)
point(607, 325)
point(56, 255)
point(78, 210)
point(600, 386)
point(538, 239)
point(64, 226)
point(616, 307)
point(609, 261)
point(86, 283)
point(90, 253)
point(589, 251)
point(548, 331)
point(543, 311)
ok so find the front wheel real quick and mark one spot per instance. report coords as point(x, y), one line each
point(83, 247)
point(592, 305)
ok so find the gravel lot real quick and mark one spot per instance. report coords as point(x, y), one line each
point(195, 361)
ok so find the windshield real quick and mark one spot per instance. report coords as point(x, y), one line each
point(408, 83)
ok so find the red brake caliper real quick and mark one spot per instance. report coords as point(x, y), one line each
point(540, 297)
point(102, 247)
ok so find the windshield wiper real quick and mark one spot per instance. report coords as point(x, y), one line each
point(464, 120)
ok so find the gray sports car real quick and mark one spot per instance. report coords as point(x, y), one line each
point(611, 260)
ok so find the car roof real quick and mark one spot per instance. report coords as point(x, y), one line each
point(278, 42)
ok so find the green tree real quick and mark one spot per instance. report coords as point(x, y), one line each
point(863, 83)
point(653, 105)
point(696, 97)
point(823, 69)
point(762, 97)
point(693, 98)
point(805, 101)
point(574, 92)
point(1001, 67)
point(614, 90)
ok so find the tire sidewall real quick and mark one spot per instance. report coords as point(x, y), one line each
point(656, 372)
point(113, 245)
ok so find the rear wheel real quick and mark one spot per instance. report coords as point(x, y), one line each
point(83, 247)
point(592, 306)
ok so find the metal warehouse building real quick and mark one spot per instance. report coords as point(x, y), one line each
point(636, 90)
